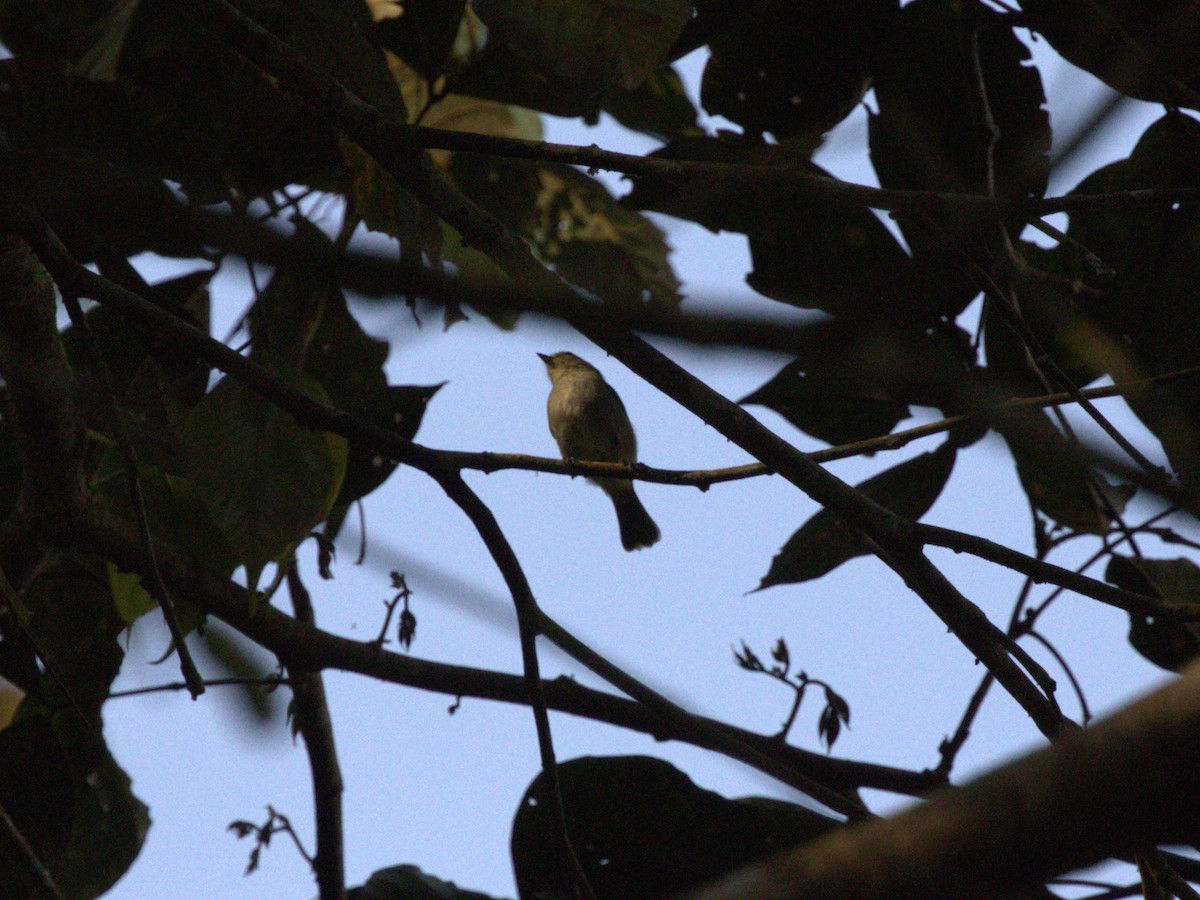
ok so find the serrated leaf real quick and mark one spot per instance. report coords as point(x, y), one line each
point(824, 542)
point(379, 200)
point(265, 481)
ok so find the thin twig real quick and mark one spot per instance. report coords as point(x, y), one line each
point(137, 497)
point(301, 645)
point(29, 855)
point(1085, 712)
point(270, 682)
point(528, 624)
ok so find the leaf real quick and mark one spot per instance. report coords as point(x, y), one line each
point(1148, 310)
point(1054, 476)
point(265, 480)
point(71, 801)
point(406, 882)
point(74, 806)
point(400, 408)
point(788, 68)
point(835, 714)
point(599, 41)
point(824, 542)
point(824, 254)
point(236, 126)
point(643, 829)
point(849, 382)
point(472, 115)
point(1047, 300)
point(574, 225)
point(835, 257)
point(131, 599)
point(1168, 644)
point(932, 133)
point(235, 656)
point(1144, 50)
point(659, 106)
point(378, 199)
point(422, 34)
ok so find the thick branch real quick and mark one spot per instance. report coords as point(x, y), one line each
point(1125, 784)
point(303, 646)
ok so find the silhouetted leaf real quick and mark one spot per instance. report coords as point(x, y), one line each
point(932, 134)
point(659, 106)
point(265, 480)
point(643, 829)
point(850, 382)
point(1148, 50)
point(1148, 310)
point(824, 542)
point(1169, 645)
point(559, 58)
point(410, 883)
point(74, 806)
point(785, 67)
point(835, 714)
point(1054, 476)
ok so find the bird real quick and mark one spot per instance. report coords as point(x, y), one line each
point(589, 422)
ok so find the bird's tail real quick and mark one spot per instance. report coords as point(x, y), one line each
point(637, 528)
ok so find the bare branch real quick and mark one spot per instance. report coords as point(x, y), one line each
point(313, 722)
point(301, 645)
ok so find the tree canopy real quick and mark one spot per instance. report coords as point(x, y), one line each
point(150, 469)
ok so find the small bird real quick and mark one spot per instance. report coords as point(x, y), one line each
point(589, 422)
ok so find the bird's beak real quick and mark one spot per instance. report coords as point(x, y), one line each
point(546, 359)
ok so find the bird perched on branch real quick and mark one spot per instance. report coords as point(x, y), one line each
point(589, 422)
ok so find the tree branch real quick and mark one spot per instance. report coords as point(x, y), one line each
point(312, 721)
point(303, 646)
point(1122, 785)
point(41, 392)
point(527, 625)
point(370, 130)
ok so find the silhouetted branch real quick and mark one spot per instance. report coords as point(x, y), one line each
point(1126, 783)
point(300, 645)
point(311, 719)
